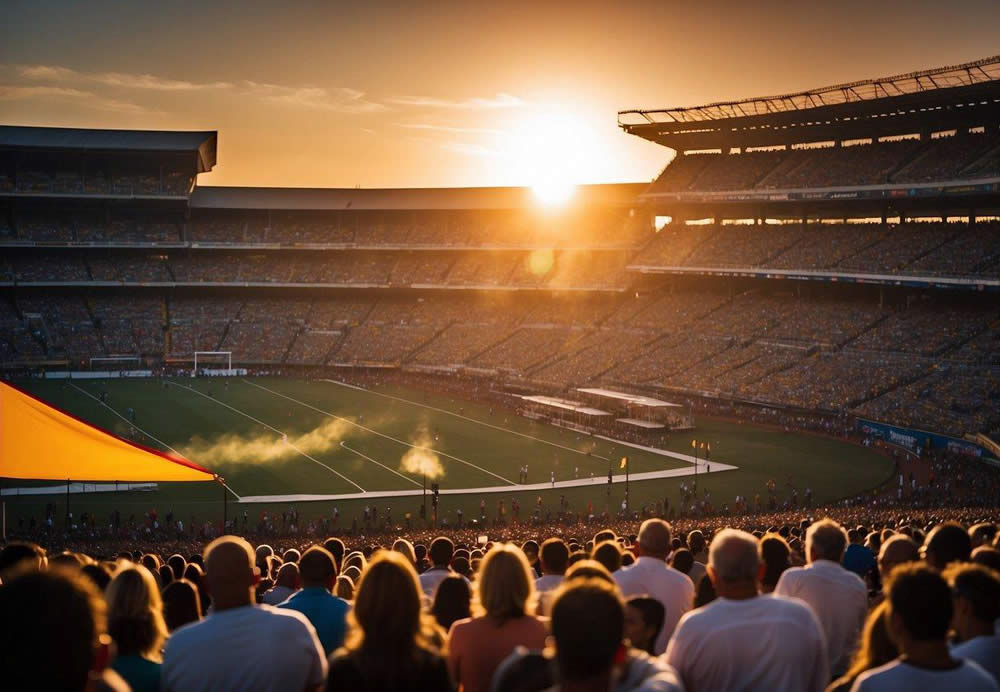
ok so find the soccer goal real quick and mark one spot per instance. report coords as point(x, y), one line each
point(213, 363)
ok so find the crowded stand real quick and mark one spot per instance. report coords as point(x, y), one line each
point(789, 599)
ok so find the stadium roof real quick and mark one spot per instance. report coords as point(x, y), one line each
point(143, 141)
point(940, 98)
point(385, 199)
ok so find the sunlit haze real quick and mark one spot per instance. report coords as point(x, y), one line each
point(445, 94)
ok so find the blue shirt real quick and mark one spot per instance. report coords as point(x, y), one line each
point(140, 673)
point(326, 612)
point(859, 560)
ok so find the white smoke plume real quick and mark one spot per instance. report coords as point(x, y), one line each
point(420, 458)
point(231, 448)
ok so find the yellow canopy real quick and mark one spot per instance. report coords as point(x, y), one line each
point(40, 442)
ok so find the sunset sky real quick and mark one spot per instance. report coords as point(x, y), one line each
point(409, 94)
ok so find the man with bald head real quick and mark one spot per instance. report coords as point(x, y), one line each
point(745, 641)
point(241, 645)
point(898, 550)
point(651, 576)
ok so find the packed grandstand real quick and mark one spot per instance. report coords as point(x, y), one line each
point(840, 258)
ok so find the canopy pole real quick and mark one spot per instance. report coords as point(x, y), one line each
point(67, 506)
point(225, 505)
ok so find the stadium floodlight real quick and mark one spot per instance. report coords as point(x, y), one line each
point(202, 355)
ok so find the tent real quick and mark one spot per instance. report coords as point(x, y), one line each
point(41, 442)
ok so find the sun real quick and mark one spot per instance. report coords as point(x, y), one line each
point(553, 192)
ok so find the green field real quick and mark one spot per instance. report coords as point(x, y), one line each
point(343, 439)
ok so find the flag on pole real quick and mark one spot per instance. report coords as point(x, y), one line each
point(694, 444)
point(624, 462)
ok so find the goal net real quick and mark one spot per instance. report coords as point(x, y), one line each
point(213, 364)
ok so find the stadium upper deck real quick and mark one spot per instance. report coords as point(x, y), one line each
point(904, 144)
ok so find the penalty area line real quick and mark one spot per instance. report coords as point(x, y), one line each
point(269, 427)
point(383, 435)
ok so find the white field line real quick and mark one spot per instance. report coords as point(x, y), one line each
point(466, 418)
point(595, 482)
point(375, 461)
point(84, 391)
point(376, 432)
point(269, 427)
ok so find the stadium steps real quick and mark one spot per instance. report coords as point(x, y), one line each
point(989, 153)
point(872, 325)
point(916, 156)
point(498, 342)
point(786, 167)
point(761, 178)
point(89, 306)
point(410, 355)
point(888, 389)
point(878, 239)
point(225, 330)
point(802, 237)
point(947, 239)
point(337, 344)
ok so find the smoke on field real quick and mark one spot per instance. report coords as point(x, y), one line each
point(421, 458)
point(231, 448)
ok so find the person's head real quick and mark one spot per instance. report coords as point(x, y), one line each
point(946, 543)
point(682, 560)
point(554, 556)
point(654, 539)
point(825, 540)
point(288, 576)
point(506, 588)
point(405, 548)
point(18, 555)
point(441, 551)
point(135, 612)
point(920, 606)
point(982, 534)
point(976, 597)
point(166, 574)
point(987, 557)
point(588, 625)
point(530, 550)
point(97, 573)
point(898, 550)
point(734, 564)
point(452, 601)
point(643, 621)
point(609, 554)
point(875, 648)
point(605, 535)
point(704, 592)
point(336, 548)
point(178, 564)
point(229, 572)
point(290, 555)
point(151, 562)
point(776, 554)
point(344, 588)
point(462, 566)
point(317, 568)
point(696, 542)
point(386, 614)
point(181, 604)
point(53, 626)
point(589, 569)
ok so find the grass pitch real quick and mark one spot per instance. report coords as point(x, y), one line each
point(278, 436)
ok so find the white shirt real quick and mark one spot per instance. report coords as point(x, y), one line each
point(840, 600)
point(983, 650)
point(761, 643)
point(653, 577)
point(546, 586)
point(696, 573)
point(897, 676)
point(430, 579)
point(253, 647)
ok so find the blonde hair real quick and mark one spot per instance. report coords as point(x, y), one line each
point(386, 605)
point(135, 612)
point(506, 589)
point(405, 548)
point(875, 649)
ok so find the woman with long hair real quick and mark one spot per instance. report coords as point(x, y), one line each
point(182, 604)
point(135, 623)
point(506, 590)
point(776, 555)
point(876, 649)
point(387, 649)
point(452, 601)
